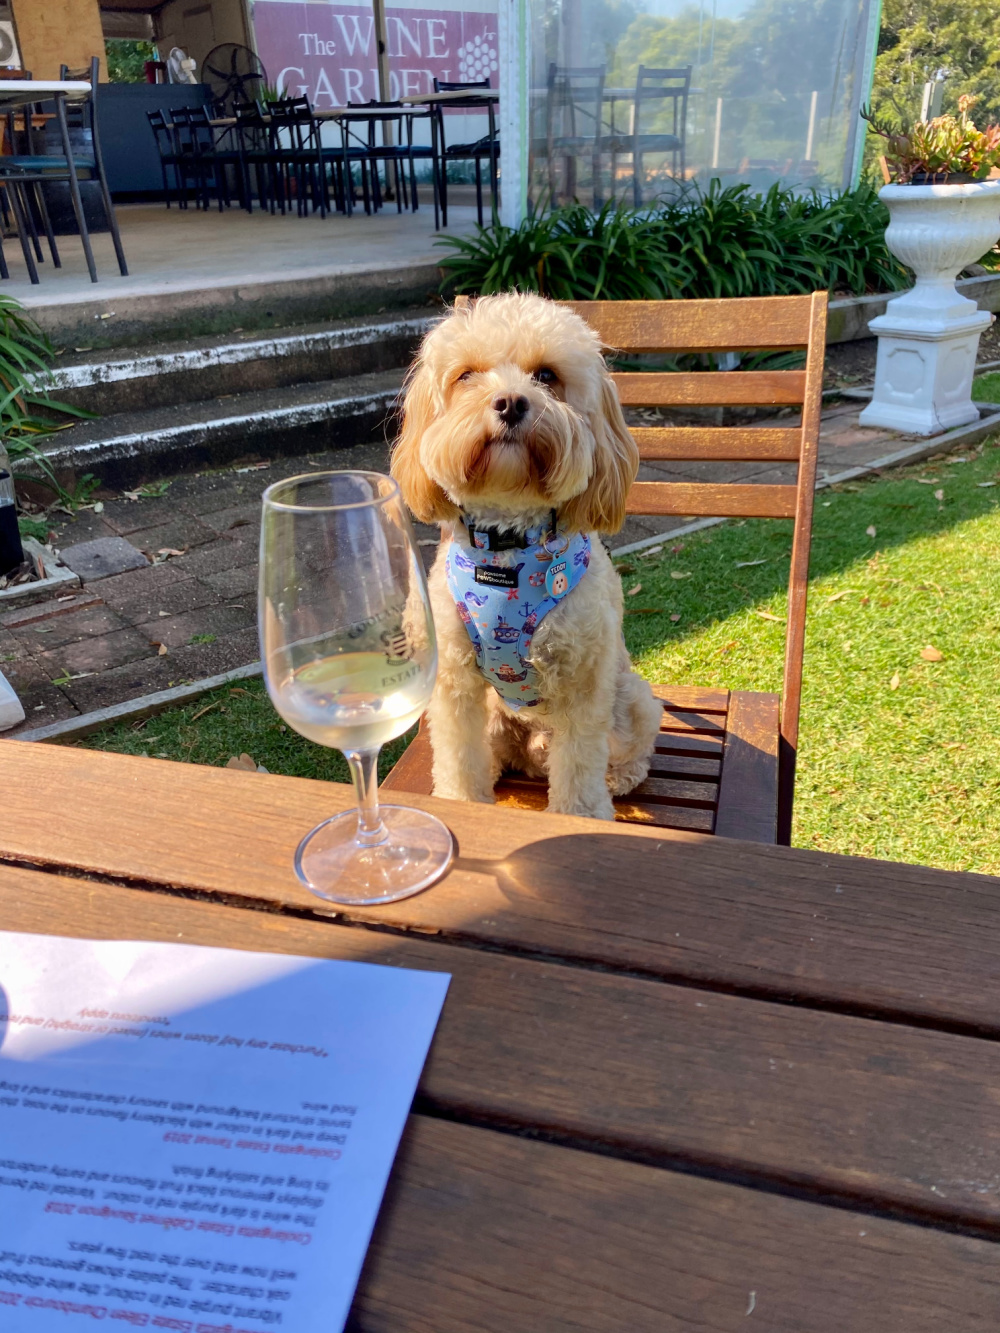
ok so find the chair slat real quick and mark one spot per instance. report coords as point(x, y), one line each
point(711, 388)
point(699, 326)
point(691, 698)
point(628, 811)
point(718, 443)
point(711, 500)
point(684, 767)
point(673, 791)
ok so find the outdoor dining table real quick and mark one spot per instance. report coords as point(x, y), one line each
point(16, 93)
point(679, 1081)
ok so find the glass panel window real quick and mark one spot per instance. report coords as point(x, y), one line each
point(635, 99)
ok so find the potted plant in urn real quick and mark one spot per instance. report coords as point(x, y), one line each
point(943, 214)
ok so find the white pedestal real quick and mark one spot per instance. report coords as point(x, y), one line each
point(928, 337)
point(923, 378)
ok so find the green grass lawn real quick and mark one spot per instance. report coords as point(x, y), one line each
point(898, 754)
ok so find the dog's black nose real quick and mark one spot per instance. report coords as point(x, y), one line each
point(510, 407)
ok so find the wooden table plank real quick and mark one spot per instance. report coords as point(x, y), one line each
point(486, 1233)
point(894, 1117)
point(814, 927)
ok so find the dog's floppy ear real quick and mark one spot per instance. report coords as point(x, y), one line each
point(424, 497)
point(601, 507)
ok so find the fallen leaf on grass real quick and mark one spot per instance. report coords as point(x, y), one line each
point(931, 654)
point(652, 550)
point(677, 574)
point(202, 711)
point(645, 611)
point(843, 593)
point(675, 617)
point(632, 591)
point(939, 494)
point(927, 481)
point(952, 745)
point(766, 615)
point(745, 564)
point(676, 550)
point(237, 690)
point(243, 761)
point(984, 484)
point(894, 683)
point(871, 530)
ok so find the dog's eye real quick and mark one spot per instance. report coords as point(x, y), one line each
point(466, 374)
point(545, 376)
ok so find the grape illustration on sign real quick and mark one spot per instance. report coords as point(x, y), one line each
point(327, 51)
point(477, 60)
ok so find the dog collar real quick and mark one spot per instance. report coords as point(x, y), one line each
point(485, 538)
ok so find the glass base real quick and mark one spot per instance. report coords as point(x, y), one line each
point(416, 852)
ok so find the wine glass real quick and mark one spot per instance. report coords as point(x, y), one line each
point(347, 641)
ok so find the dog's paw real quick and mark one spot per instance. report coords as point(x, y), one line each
point(624, 778)
point(450, 791)
point(596, 808)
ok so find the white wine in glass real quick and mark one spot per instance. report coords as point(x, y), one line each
point(347, 641)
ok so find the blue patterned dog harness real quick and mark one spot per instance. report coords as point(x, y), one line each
point(504, 591)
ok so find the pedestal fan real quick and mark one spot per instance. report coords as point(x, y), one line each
point(234, 74)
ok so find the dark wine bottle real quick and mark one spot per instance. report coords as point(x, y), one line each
point(11, 550)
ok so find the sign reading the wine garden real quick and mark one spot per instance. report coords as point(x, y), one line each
point(328, 51)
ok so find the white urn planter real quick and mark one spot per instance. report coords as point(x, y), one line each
point(928, 336)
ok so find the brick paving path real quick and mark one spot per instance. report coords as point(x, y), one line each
point(105, 643)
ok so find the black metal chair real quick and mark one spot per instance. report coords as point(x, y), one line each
point(362, 151)
point(573, 125)
point(19, 204)
point(299, 155)
point(396, 150)
point(254, 150)
point(656, 86)
point(203, 158)
point(70, 164)
point(164, 136)
point(486, 149)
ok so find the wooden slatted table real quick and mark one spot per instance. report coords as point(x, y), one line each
point(679, 1081)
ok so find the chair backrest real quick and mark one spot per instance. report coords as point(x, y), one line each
point(292, 123)
point(573, 93)
point(83, 115)
point(163, 131)
point(659, 85)
point(453, 86)
point(748, 324)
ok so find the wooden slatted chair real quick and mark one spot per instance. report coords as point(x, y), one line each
point(724, 762)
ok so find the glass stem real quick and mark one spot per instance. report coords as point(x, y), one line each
point(364, 772)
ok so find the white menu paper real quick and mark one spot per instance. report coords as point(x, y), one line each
point(196, 1139)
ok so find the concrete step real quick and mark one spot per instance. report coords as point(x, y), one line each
point(168, 375)
point(130, 447)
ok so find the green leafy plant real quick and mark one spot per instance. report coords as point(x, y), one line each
point(27, 412)
point(938, 150)
point(721, 242)
point(33, 527)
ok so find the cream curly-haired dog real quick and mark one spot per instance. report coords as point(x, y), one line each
point(513, 440)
